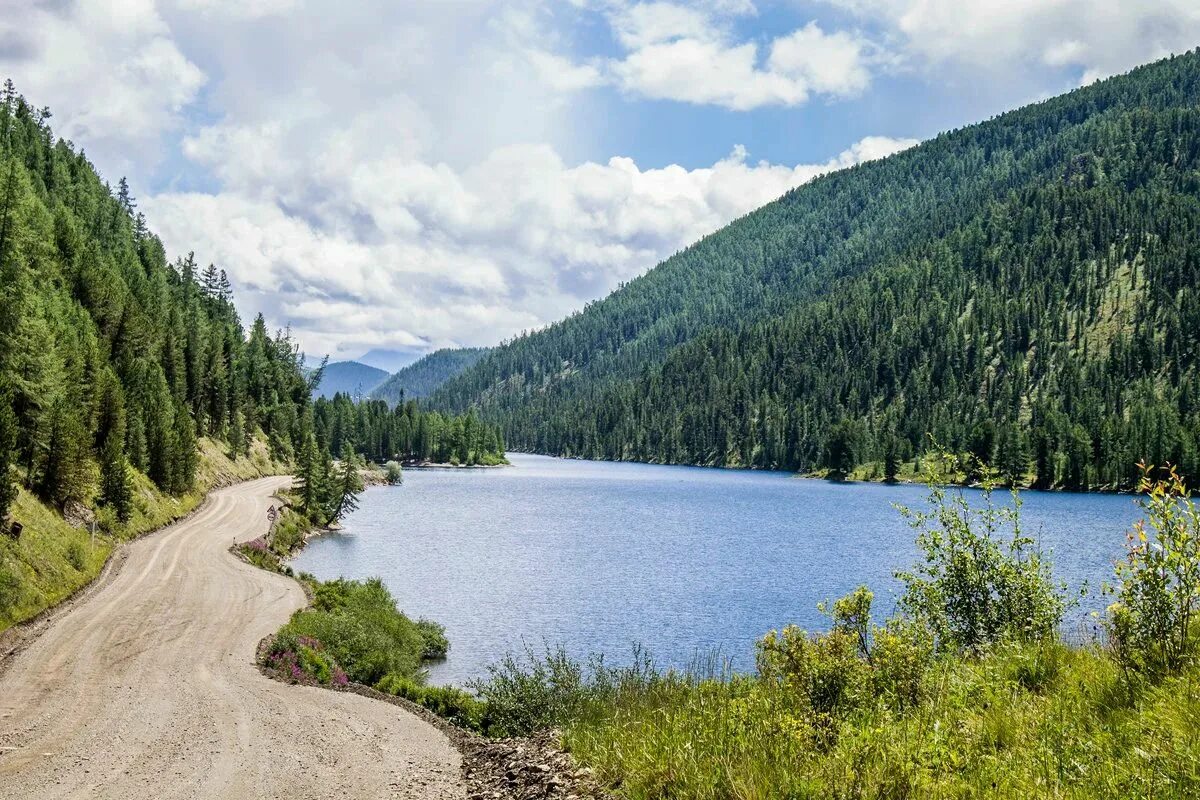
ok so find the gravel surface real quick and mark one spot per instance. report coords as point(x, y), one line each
point(147, 688)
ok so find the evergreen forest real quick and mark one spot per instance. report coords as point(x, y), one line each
point(1023, 290)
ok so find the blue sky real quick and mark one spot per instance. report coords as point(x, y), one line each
point(411, 175)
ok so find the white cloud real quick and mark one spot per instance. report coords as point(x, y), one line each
point(511, 243)
point(117, 78)
point(1095, 37)
point(687, 53)
point(380, 180)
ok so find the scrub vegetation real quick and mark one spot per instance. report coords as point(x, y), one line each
point(967, 690)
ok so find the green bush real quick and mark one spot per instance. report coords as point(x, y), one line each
point(1153, 627)
point(533, 693)
point(819, 679)
point(393, 473)
point(10, 589)
point(975, 585)
point(359, 625)
point(448, 702)
point(77, 555)
point(433, 635)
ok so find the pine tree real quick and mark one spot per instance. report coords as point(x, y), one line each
point(124, 197)
point(116, 490)
point(210, 282)
point(224, 288)
point(63, 474)
point(891, 460)
point(310, 478)
point(238, 441)
point(348, 486)
point(186, 458)
point(8, 443)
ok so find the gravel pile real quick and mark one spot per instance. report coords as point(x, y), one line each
point(525, 769)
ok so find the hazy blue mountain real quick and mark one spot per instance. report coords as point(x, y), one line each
point(349, 377)
point(389, 361)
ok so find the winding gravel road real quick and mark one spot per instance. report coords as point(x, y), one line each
point(147, 689)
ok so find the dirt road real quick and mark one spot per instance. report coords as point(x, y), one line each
point(148, 689)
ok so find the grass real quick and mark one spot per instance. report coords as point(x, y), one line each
point(922, 706)
point(1025, 720)
point(353, 631)
point(52, 559)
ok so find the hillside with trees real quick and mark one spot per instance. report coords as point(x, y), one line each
point(422, 378)
point(128, 384)
point(1023, 290)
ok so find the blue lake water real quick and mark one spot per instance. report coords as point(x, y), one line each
point(684, 560)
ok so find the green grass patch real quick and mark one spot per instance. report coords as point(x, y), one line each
point(52, 559)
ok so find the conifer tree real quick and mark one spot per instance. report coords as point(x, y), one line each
point(116, 490)
point(210, 282)
point(8, 443)
point(63, 464)
point(348, 485)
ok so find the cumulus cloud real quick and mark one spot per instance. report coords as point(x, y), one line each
point(1095, 37)
point(403, 251)
point(375, 179)
point(687, 53)
point(125, 77)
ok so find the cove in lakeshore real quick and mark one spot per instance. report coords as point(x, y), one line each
point(687, 561)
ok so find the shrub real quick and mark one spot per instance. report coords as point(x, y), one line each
point(303, 659)
point(901, 653)
point(448, 702)
point(393, 473)
point(10, 588)
point(533, 693)
point(975, 586)
point(823, 677)
point(360, 626)
point(433, 635)
point(1153, 626)
point(77, 555)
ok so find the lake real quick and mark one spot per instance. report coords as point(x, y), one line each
point(685, 560)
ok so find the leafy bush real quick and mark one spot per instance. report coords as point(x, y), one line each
point(10, 588)
point(533, 693)
point(303, 659)
point(823, 677)
point(1153, 626)
point(393, 473)
point(448, 702)
point(976, 587)
point(901, 655)
point(436, 645)
point(288, 533)
point(359, 625)
point(77, 555)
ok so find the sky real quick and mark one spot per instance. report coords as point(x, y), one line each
point(406, 175)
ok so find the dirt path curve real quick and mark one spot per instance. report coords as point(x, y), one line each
point(148, 689)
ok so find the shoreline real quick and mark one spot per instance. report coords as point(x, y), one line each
point(818, 476)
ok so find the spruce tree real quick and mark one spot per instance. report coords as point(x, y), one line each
point(8, 443)
point(63, 475)
point(116, 490)
point(349, 485)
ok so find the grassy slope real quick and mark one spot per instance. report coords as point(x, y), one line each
point(1027, 721)
point(53, 560)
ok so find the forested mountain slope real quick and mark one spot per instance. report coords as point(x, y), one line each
point(1025, 289)
point(422, 378)
point(349, 378)
point(128, 386)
